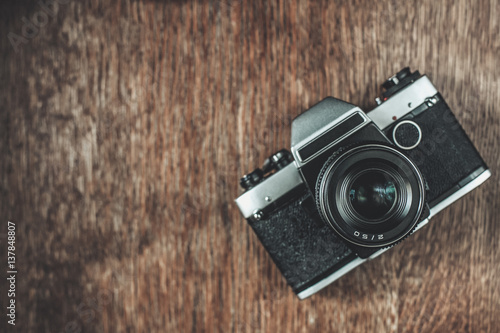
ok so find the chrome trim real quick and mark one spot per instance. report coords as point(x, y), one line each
point(403, 102)
point(346, 269)
point(270, 189)
point(325, 112)
point(295, 149)
point(461, 192)
point(339, 273)
point(358, 261)
point(421, 224)
point(328, 280)
point(419, 134)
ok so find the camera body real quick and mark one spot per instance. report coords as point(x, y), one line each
point(354, 184)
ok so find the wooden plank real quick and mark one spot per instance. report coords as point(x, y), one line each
point(126, 125)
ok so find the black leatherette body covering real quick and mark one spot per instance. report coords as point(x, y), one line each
point(302, 248)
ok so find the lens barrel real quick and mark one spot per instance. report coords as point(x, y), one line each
point(371, 194)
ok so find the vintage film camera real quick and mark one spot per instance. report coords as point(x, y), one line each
point(355, 184)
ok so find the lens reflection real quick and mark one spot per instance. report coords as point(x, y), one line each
point(373, 194)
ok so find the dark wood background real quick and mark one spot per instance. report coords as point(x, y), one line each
point(125, 126)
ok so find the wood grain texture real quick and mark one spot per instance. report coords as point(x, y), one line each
point(125, 126)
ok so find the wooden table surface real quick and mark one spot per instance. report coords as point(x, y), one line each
point(125, 126)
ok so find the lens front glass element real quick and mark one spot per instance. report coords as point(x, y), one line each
point(373, 194)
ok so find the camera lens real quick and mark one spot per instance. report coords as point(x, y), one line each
point(373, 194)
